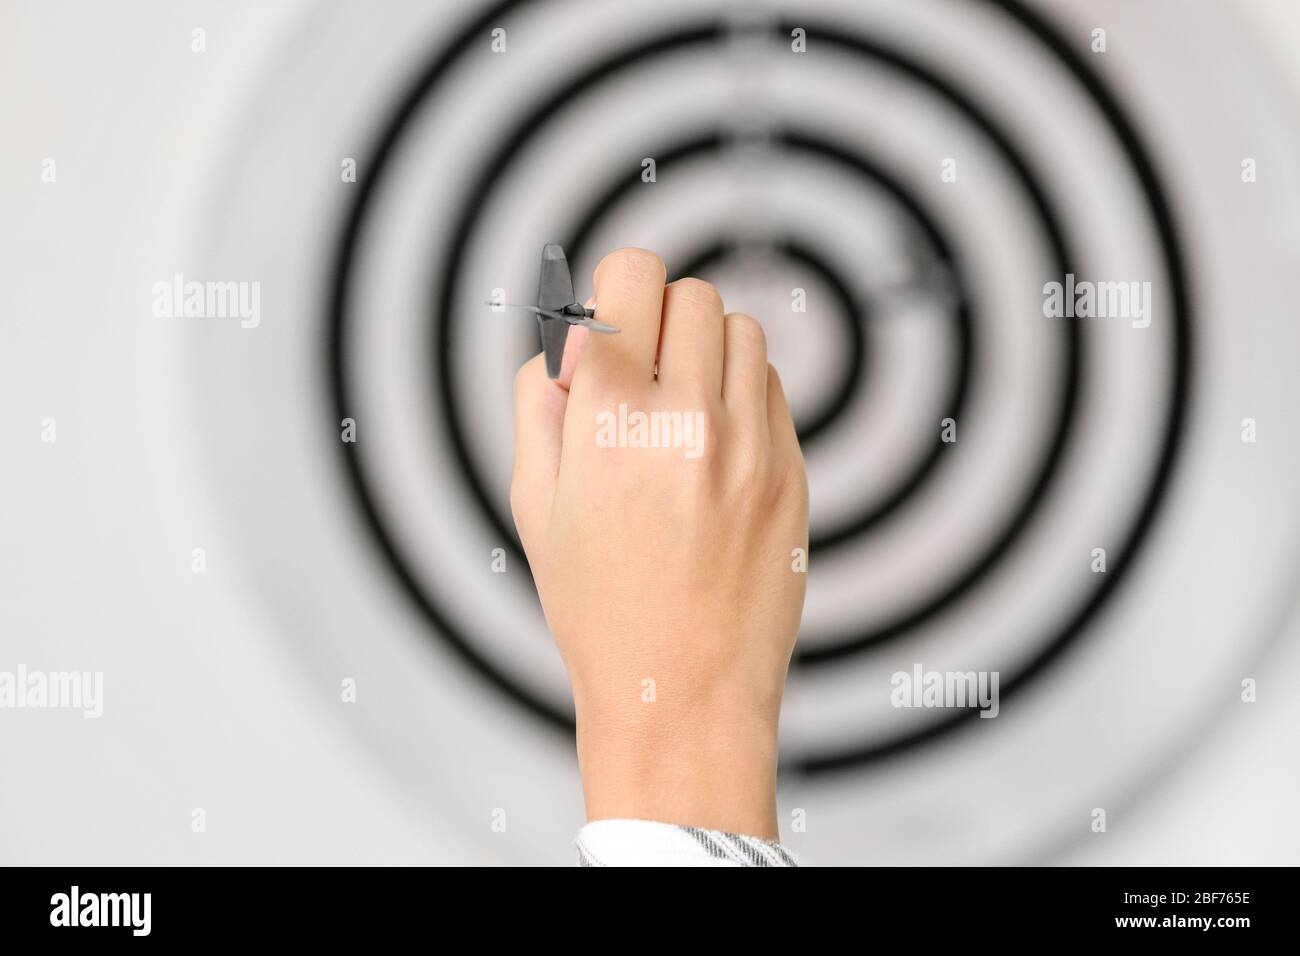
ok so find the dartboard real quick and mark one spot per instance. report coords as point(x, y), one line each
point(892, 188)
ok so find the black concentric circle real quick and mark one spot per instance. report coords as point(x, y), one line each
point(1174, 423)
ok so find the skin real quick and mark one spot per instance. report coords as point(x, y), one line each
point(654, 566)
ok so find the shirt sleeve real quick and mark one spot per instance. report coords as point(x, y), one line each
point(646, 843)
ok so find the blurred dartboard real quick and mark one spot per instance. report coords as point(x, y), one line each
point(889, 187)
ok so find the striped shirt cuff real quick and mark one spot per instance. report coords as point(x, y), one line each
point(646, 843)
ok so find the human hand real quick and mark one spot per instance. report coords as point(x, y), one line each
point(665, 573)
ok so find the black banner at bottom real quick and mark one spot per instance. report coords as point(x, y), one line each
point(337, 906)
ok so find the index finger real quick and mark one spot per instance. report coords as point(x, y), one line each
point(629, 286)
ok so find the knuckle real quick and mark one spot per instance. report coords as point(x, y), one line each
point(696, 292)
point(633, 263)
point(746, 331)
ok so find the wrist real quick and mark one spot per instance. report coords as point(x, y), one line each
point(694, 767)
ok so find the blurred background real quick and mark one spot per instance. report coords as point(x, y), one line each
point(333, 648)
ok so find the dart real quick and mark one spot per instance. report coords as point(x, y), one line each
point(558, 308)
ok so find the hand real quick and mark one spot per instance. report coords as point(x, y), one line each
point(666, 573)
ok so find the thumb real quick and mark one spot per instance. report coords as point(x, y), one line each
point(539, 431)
point(573, 350)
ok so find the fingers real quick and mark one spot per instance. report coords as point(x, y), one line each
point(629, 286)
point(691, 338)
point(745, 372)
point(780, 423)
point(539, 433)
point(680, 326)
